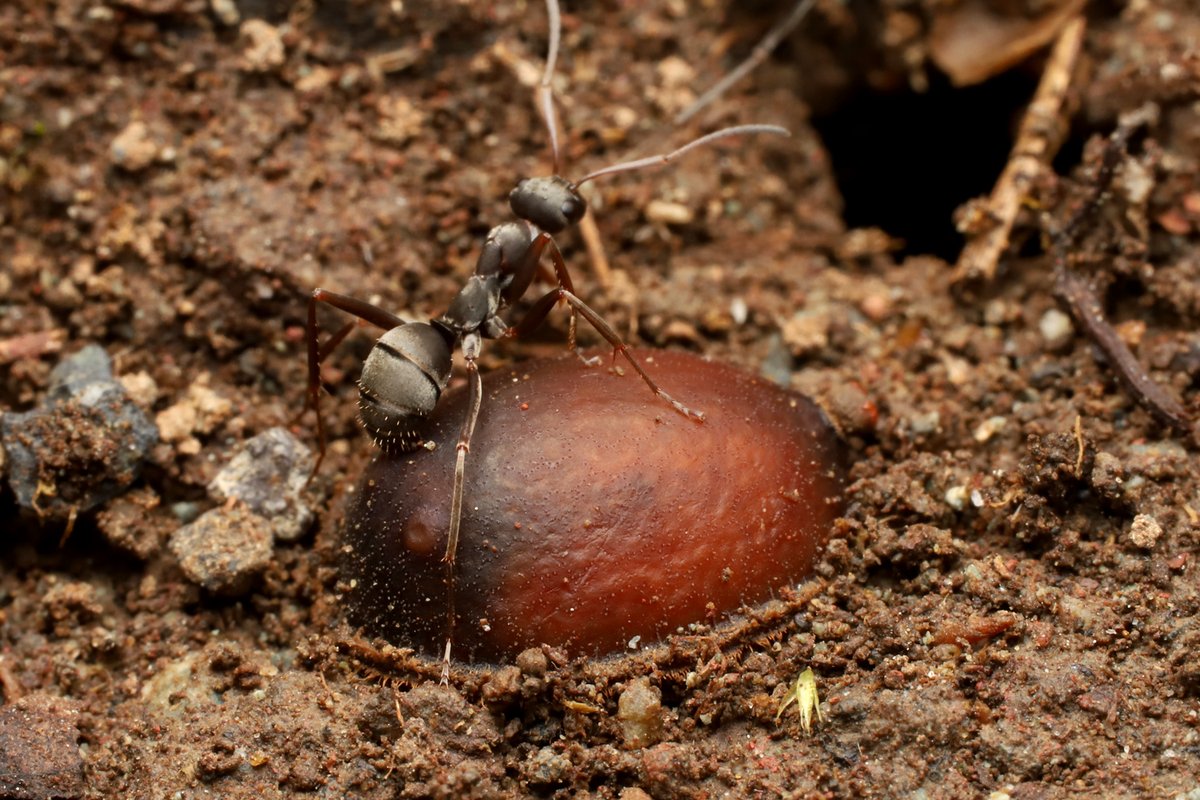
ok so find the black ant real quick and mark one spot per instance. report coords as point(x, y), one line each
point(408, 368)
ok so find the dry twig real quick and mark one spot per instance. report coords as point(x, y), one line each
point(31, 345)
point(595, 248)
point(760, 53)
point(1081, 300)
point(1038, 140)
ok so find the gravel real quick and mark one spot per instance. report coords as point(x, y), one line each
point(83, 445)
point(269, 474)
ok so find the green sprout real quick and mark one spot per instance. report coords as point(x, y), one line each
point(804, 694)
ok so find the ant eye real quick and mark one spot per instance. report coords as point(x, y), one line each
point(572, 209)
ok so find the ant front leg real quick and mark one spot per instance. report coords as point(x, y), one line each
point(317, 352)
point(542, 308)
point(545, 243)
point(472, 343)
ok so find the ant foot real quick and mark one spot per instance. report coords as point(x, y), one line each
point(446, 665)
point(695, 416)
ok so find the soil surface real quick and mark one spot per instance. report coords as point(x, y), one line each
point(1009, 606)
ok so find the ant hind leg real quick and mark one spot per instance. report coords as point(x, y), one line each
point(317, 352)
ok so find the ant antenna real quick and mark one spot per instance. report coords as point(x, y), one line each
point(545, 91)
point(661, 159)
point(760, 53)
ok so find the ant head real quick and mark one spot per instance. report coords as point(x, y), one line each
point(551, 203)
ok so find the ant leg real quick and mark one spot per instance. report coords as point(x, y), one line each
point(614, 339)
point(445, 681)
point(545, 243)
point(471, 345)
point(542, 308)
point(564, 282)
point(318, 353)
point(322, 353)
point(332, 342)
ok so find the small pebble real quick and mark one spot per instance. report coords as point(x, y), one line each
point(777, 363)
point(533, 662)
point(135, 523)
point(876, 306)
point(926, 423)
point(739, 311)
point(1108, 476)
point(226, 11)
point(264, 46)
point(74, 373)
point(806, 332)
point(547, 767)
point(224, 550)
point(83, 445)
point(956, 497)
point(640, 714)
point(669, 213)
point(134, 148)
point(268, 475)
point(676, 72)
point(141, 388)
point(989, 428)
point(1144, 531)
point(850, 407)
point(1056, 329)
point(199, 413)
point(185, 511)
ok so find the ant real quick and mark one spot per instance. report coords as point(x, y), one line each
point(408, 368)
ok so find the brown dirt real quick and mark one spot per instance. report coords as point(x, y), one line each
point(1010, 605)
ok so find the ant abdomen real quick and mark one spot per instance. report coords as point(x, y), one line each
point(402, 380)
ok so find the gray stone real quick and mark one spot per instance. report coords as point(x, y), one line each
point(268, 475)
point(83, 445)
point(224, 550)
point(89, 365)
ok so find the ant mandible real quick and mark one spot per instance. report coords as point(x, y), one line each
point(409, 366)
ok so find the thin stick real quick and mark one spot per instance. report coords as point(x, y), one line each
point(1038, 139)
point(760, 53)
point(595, 249)
point(1084, 305)
point(1085, 308)
point(661, 159)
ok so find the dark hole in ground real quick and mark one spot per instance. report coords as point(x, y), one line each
point(905, 161)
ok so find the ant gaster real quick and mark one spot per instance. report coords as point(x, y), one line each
point(407, 370)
